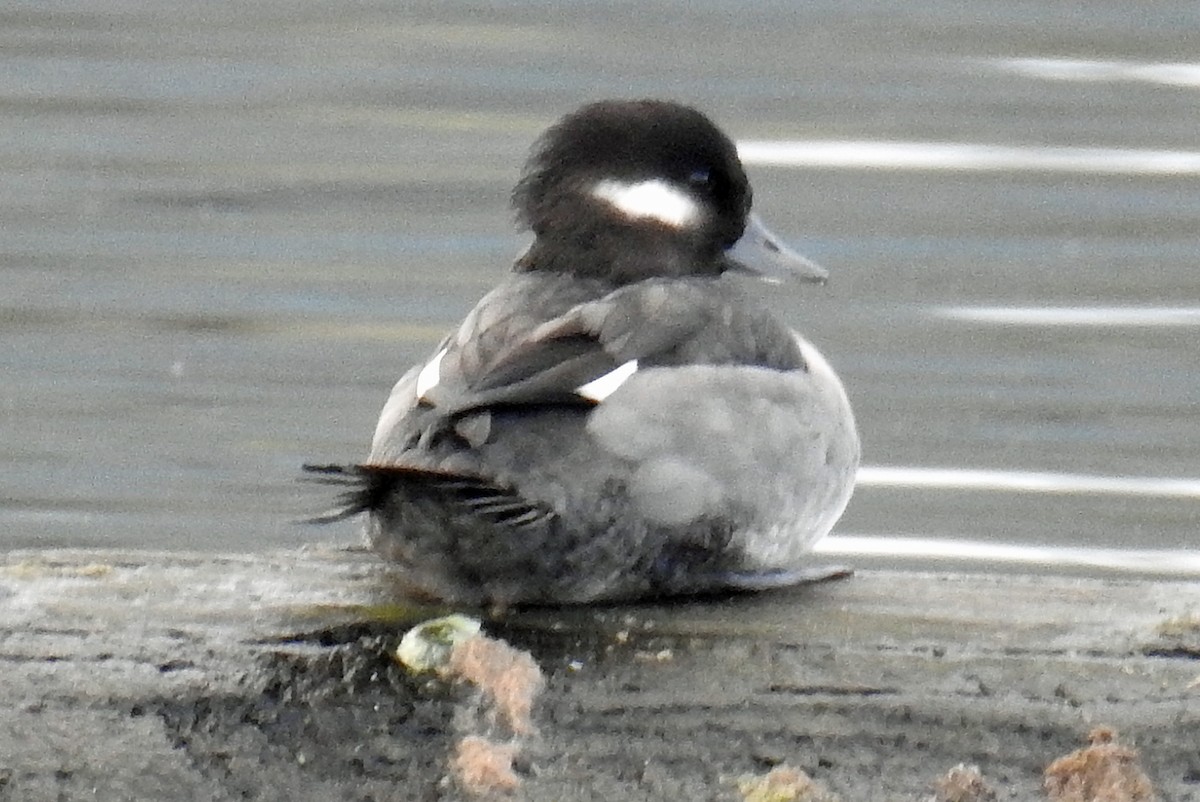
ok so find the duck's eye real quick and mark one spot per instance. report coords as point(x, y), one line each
point(700, 177)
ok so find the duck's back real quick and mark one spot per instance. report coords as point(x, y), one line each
point(648, 438)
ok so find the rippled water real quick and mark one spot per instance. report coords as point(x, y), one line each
point(229, 227)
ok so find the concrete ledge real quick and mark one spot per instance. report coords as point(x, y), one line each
point(135, 675)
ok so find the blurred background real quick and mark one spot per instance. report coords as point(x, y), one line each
point(226, 228)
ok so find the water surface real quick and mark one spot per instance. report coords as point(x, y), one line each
point(229, 227)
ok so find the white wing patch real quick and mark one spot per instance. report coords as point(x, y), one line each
point(429, 376)
point(654, 199)
point(601, 388)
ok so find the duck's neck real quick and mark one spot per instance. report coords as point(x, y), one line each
point(618, 260)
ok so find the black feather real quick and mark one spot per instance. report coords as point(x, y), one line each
point(371, 487)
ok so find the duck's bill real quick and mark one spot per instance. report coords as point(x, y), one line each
point(761, 253)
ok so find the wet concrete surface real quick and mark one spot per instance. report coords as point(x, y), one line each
point(270, 677)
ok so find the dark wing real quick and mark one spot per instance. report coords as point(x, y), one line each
point(520, 358)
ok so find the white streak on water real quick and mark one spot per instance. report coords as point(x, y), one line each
point(1170, 562)
point(891, 155)
point(1075, 315)
point(1183, 74)
point(1028, 482)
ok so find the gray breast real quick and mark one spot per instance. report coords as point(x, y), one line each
point(775, 451)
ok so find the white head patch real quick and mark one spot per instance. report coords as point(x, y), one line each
point(653, 199)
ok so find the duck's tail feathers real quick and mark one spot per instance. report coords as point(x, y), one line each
point(370, 487)
point(363, 490)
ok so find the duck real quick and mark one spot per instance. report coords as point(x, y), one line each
point(618, 419)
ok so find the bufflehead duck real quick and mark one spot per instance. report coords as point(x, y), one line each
point(615, 420)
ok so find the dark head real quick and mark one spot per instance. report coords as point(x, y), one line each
point(627, 189)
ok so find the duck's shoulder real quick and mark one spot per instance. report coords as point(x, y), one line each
point(543, 339)
point(538, 324)
point(688, 321)
point(520, 303)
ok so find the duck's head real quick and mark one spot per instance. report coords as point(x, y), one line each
point(629, 189)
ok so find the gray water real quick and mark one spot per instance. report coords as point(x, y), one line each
point(226, 228)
